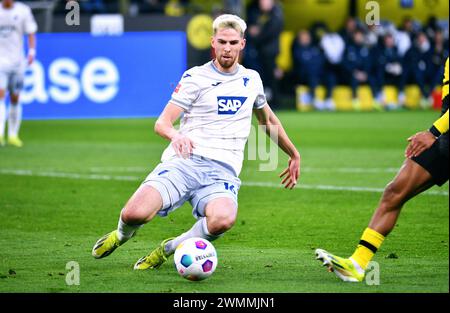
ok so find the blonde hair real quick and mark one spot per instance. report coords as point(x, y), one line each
point(229, 21)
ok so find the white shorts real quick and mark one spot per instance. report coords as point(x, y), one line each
point(197, 180)
point(11, 81)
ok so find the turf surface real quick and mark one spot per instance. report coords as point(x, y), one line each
point(65, 188)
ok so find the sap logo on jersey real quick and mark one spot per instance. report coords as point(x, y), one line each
point(229, 105)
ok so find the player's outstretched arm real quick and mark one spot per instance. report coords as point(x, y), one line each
point(182, 145)
point(276, 132)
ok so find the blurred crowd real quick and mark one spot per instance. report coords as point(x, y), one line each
point(135, 7)
point(264, 26)
point(358, 54)
point(375, 55)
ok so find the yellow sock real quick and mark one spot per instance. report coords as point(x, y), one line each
point(369, 244)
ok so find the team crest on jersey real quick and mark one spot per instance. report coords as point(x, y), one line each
point(229, 105)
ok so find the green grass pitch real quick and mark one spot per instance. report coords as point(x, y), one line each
point(65, 188)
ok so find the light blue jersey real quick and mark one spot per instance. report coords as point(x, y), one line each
point(218, 111)
point(15, 22)
point(217, 117)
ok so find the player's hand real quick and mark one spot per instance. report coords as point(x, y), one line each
point(182, 145)
point(292, 173)
point(419, 143)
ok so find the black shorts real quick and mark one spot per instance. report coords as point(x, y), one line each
point(435, 160)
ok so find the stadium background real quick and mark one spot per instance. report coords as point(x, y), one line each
point(66, 186)
point(148, 49)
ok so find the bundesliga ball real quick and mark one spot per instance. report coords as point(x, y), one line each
point(195, 259)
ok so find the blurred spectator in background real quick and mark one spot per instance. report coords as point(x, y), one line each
point(233, 7)
point(374, 42)
point(417, 67)
point(373, 33)
point(265, 24)
point(150, 6)
point(402, 40)
point(351, 24)
point(431, 27)
point(357, 65)
point(410, 27)
point(389, 69)
point(308, 67)
point(333, 47)
point(439, 54)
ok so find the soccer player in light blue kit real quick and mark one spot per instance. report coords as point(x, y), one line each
point(16, 20)
point(203, 161)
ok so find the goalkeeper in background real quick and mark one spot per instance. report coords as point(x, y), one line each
point(426, 165)
point(16, 20)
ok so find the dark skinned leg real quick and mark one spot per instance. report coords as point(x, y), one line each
point(411, 180)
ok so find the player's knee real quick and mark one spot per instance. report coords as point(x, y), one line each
point(221, 215)
point(219, 224)
point(130, 216)
point(134, 214)
point(142, 206)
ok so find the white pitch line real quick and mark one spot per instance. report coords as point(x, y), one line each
point(351, 170)
point(334, 188)
point(19, 172)
point(68, 175)
point(362, 170)
point(127, 169)
point(320, 187)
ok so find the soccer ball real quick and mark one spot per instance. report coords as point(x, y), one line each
point(195, 259)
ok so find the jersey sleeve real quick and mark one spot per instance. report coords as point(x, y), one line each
point(260, 100)
point(30, 25)
point(186, 92)
point(441, 125)
point(445, 81)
